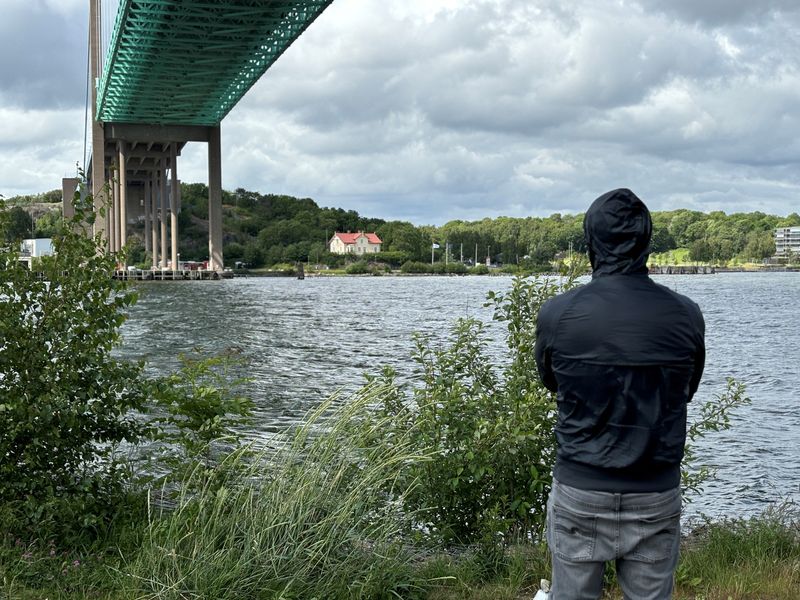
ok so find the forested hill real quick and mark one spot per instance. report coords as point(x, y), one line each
point(266, 229)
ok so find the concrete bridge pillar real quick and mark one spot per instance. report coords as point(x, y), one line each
point(123, 195)
point(69, 185)
point(173, 204)
point(99, 189)
point(108, 205)
point(148, 245)
point(112, 209)
point(117, 228)
point(215, 199)
point(162, 174)
point(154, 228)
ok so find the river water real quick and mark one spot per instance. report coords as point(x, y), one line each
point(307, 339)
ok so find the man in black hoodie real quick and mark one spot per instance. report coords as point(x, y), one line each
point(624, 356)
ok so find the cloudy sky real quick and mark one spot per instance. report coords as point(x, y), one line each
point(432, 110)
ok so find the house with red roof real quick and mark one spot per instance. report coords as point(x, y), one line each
point(355, 243)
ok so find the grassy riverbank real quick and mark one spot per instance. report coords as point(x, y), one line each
point(736, 560)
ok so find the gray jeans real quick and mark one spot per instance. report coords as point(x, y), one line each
point(640, 532)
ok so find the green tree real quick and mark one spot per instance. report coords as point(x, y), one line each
point(760, 245)
point(701, 251)
point(48, 224)
point(18, 225)
point(65, 402)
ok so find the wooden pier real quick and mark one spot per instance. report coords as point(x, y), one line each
point(682, 270)
point(171, 275)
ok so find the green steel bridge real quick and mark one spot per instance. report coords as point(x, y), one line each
point(172, 71)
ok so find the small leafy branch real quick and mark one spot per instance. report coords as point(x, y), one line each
point(197, 406)
point(486, 434)
point(715, 415)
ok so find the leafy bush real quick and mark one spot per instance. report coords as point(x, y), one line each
point(510, 269)
point(415, 267)
point(67, 403)
point(479, 270)
point(715, 415)
point(357, 268)
point(68, 406)
point(490, 433)
point(457, 268)
point(195, 408)
point(395, 257)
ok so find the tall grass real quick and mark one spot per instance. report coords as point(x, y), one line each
point(305, 519)
point(739, 559)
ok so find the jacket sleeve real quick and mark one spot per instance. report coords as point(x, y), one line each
point(543, 348)
point(700, 353)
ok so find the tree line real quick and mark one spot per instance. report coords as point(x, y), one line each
point(269, 229)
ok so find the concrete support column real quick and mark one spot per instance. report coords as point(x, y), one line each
point(100, 199)
point(69, 185)
point(148, 244)
point(154, 229)
point(123, 194)
point(114, 202)
point(173, 204)
point(117, 228)
point(163, 192)
point(109, 209)
point(215, 199)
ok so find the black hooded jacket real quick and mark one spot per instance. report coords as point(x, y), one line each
point(624, 355)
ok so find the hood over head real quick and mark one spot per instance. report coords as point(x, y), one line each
point(618, 227)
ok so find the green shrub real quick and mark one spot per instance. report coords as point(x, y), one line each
point(67, 403)
point(479, 270)
point(715, 415)
point(415, 267)
point(379, 268)
point(490, 431)
point(357, 268)
point(457, 268)
point(195, 409)
point(394, 258)
point(68, 406)
point(510, 269)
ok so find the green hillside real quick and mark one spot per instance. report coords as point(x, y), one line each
point(267, 229)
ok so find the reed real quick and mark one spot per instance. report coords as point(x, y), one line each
point(306, 518)
point(738, 559)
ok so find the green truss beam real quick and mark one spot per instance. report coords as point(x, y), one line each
point(188, 62)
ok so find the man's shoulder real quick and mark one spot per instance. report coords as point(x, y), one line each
point(552, 309)
point(687, 302)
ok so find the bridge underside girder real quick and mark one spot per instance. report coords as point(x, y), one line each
point(188, 62)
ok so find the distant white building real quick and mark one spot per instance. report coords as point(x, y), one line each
point(37, 247)
point(787, 241)
point(355, 243)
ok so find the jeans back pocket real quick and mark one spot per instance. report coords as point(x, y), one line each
point(572, 535)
